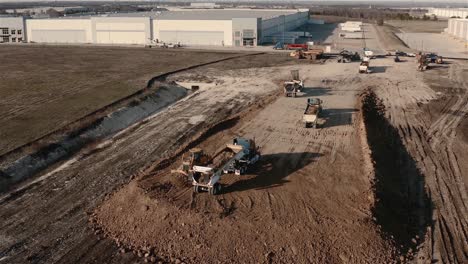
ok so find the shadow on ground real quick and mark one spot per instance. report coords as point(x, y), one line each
point(272, 170)
point(379, 69)
point(337, 116)
point(315, 91)
point(403, 208)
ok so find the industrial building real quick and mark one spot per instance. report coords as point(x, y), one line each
point(458, 28)
point(226, 27)
point(12, 29)
point(97, 30)
point(448, 12)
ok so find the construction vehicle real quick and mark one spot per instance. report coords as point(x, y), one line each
point(368, 53)
point(422, 61)
point(160, 44)
point(247, 154)
point(204, 175)
point(351, 35)
point(278, 46)
point(297, 46)
point(347, 56)
point(364, 67)
point(291, 88)
point(194, 157)
point(434, 58)
point(439, 60)
point(312, 112)
point(311, 54)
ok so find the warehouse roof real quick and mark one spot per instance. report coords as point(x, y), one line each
point(223, 14)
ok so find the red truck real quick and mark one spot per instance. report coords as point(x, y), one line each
point(297, 47)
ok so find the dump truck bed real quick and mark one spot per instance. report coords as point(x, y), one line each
point(311, 110)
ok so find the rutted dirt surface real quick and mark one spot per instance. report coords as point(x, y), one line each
point(308, 200)
point(321, 181)
point(44, 219)
point(429, 110)
point(429, 119)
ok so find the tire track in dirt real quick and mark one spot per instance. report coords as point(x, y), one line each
point(84, 183)
point(293, 205)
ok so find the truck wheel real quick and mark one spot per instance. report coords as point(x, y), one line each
point(196, 189)
point(306, 125)
point(216, 189)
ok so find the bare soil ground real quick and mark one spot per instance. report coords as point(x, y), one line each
point(388, 40)
point(309, 199)
point(441, 151)
point(419, 26)
point(57, 229)
point(58, 84)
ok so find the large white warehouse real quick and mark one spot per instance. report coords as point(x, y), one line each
point(233, 27)
point(448, 12)
point(458, 28)
point(99, 30)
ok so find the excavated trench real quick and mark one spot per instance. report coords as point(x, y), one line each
point(102, 128)
point(402, 208)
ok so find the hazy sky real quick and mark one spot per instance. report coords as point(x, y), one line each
point(286, 1)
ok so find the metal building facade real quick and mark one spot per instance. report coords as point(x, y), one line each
point(193, 32)
point(121, 30)
point(59, 30)
point(235, 27)
point(12, 30)
point(448, 12)
point(99, 30)
point(458, 28)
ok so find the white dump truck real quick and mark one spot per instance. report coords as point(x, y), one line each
point(312, 112)
point(364, 67)
point(291, 88)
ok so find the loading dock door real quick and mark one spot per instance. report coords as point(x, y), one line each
point(120, 37)
point(192, 37)
point(59, 36)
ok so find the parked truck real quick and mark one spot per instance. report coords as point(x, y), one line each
point(292, 87)
point(312, 112)
point(351, 35)
point(364, 67)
